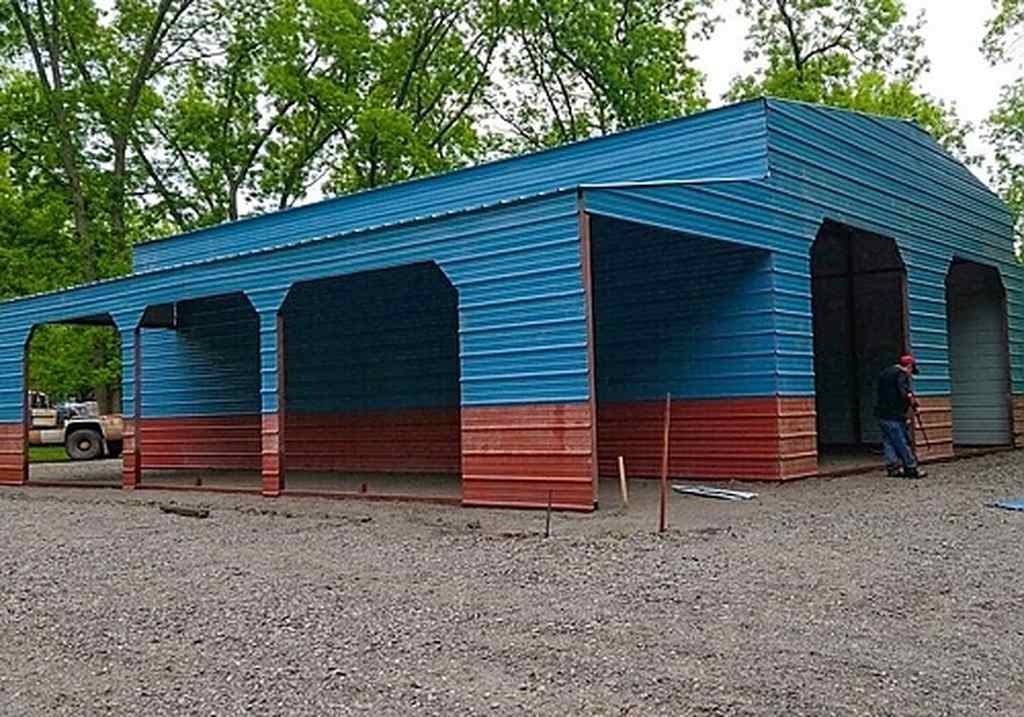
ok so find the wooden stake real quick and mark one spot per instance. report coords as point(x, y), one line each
point(663, 512)
point(547, 523)
point(623, 488)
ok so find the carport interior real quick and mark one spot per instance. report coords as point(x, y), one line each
point(979, 360)
point(691, 317)
point(860, 326)
point(200, 397)
point(372, 395)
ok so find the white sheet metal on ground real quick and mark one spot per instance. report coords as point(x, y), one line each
point(708, 492)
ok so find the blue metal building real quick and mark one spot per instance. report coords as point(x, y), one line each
point(519, 323)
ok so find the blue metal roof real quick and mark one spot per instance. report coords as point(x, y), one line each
point(729, 142)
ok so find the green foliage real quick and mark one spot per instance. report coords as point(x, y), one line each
point(63, 361)
point(1004, 42)
point(861, 55)
point(576, 69)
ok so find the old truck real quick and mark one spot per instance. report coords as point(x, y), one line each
point(79, 427)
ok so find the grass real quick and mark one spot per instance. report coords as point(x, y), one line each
point(47, 454)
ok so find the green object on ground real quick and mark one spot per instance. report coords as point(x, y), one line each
point(47, 454)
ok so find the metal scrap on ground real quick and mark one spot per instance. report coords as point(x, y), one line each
point(708, 492)
point(1010, 504)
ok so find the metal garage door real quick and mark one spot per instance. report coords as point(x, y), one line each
point(978, 360)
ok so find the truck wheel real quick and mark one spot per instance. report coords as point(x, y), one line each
point(114, 449)
point(84, 444)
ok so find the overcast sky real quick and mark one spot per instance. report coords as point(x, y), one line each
point(959, 73)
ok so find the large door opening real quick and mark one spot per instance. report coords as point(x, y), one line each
point(860, 326)
point(200, 397)
point(979, 359)
point(372, 384)
point(73, 403)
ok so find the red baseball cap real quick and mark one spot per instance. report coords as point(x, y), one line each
point(908, 361)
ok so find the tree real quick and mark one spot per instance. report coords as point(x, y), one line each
point(574, 69)
point(336, 94)
point(862, 55)
point(1005, 127)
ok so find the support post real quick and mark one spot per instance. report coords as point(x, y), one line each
point(586, 264)
point(26, 367)
point(272, 367)
point(131, 464)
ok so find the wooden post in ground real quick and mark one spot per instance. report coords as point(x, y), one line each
point(623, 488)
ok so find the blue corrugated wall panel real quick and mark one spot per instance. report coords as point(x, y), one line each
point(879, 175)
point(680, 314)
point(728, 142)
point(892, 179)
point(523, 330)
point(208, 366)
point(373, 341)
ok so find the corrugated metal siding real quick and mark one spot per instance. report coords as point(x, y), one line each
point(525, 455)
point(12, 453)
point(727, 142)
point(522, 318)
point(937, 416)
point(681, 315)
point(372, 364)
point(208, 366)
point(378, 340)
point(892, 179)
point(210, 442)
point(748, 439)
point(978, 364)
point(522, 322)
point(424, 440)
point(881, 176)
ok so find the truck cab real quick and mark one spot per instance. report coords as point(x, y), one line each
point(78, 426)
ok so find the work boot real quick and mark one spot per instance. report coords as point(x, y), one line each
point(914, 473)
point(894, 471)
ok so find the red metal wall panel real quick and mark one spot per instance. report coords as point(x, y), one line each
point(215, 442)
point(1018, 421)
point(752, 439)
point(520, 456)
point(271, 456)
point(937, 416)
point(131, 471)
point(403, 441)
point(12, 454)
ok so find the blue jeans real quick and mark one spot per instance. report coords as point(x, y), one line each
point(896, 443)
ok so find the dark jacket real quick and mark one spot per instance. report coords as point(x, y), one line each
point(893, 394)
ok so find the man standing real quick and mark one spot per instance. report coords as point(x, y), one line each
point(895, 398)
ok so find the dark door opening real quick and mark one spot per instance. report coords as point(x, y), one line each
point(860, 326)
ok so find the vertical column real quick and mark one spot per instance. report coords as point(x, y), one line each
point(131, 391)
point(586, 263)
point(273, 401)
point(14, 430)
point(268, 304)
point(129, 326)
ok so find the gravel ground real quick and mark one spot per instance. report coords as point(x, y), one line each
point(854, 596)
